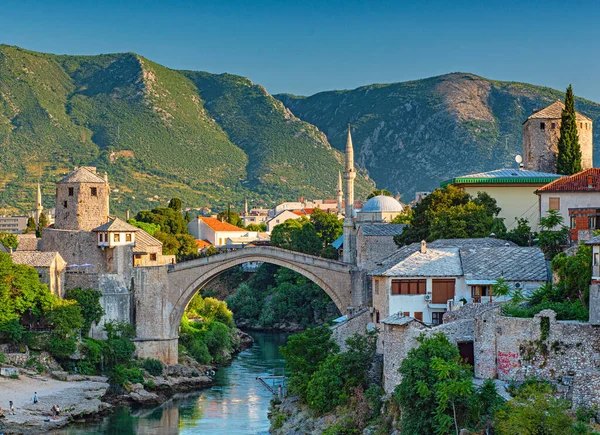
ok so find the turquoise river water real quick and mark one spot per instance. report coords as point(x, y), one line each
point(238, 405)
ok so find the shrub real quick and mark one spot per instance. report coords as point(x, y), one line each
point(2, 357)
point(13, 331)
point(153, 366)
point(217, 338)
point(121, 375)
point(198, 350)
point(13, 376)
point(61, 348)
point(89, 301)
point(85, 367)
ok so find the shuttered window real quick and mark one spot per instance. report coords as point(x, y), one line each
point(554, 203)
point(443, 290)
point(418, 315)
point(409, 286)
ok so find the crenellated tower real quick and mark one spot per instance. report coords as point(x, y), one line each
point(349, 232)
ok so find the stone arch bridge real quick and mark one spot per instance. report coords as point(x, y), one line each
point(162, 293)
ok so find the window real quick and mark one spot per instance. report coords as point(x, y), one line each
point(442, 290)
point(595, 259)
point(152, 257)
point(554, 203)
point(128, 237)
point(117, 237)
point(592, 222)
point(377, 316)
point(377, 284)
point(436, 317)
point(101, 237)
point(406, 314)
point(418, 315)
point(71, 191)
point(94, 191)
point(65, 204)
point(409, 286)
point(480, 291)
point(542, 125)
point(553, 126)
point(573, 222)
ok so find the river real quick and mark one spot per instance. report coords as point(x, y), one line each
point(238, 405)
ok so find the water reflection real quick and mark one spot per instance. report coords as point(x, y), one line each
point(238, 405)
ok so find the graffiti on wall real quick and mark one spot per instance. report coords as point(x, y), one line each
point(507, 361)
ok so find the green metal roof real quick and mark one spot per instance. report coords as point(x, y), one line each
point(504, 176)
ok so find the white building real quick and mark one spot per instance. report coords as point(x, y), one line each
point(216, 232)
point(282, 217)
point(424, 280)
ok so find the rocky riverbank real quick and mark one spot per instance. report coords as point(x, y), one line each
point(87, 397)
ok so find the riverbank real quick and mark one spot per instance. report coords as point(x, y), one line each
point(88, 397)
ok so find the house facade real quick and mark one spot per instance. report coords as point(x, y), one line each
point(217, 233)
point(424, 281)
point(513, 189)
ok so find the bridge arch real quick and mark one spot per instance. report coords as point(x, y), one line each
point(186, 279)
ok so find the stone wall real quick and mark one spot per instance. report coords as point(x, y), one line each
point(514, 348)
point(82, 210)
point(372, 249)
point(75, 247)
point(357, 323)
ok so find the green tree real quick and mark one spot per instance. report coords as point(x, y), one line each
point(451, 213)
point(261, 227)
point(307, 241)
point(327, 225)
point(66, 317)
point(521, 234)
point(501, 288)
point(283, 234)
point(378, 192)
point(303, 354)
point(553, 234)
point(231, 217)
point(149, 228)
point(534, 410)
point(574, 273)
point(175, 204)
point(31, 225)
point(89, 302)
point(419, 379)
point(9, 241)
point(568, 159)
point(404, 217)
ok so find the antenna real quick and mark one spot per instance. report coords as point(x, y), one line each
point(519, 161)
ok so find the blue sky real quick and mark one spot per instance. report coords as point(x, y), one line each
point(304, 47)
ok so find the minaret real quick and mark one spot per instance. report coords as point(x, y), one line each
point(340, 194)
point(38, 204)
point(245, 207)
point(349, 176)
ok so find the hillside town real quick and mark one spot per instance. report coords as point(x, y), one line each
point(512, 283)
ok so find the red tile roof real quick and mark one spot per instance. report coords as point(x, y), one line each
point(585, 181)
point(217, 225)
point(201, 244)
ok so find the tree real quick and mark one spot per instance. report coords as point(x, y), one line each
point(405, 217)
point(327, 225)
point(9, 241)
point(574, 273)
point(306, 240)
point(501, 288)
point(534, 410)
point(451, 213)
point(521, 234)
point(175, 204)
point(31, 225)
point(231, 217)
point(261, 227)
point(378, 192)
point(89, 302)
point(282, 234)
point(568, 159)
point(416, 392)
point(149, 228)
point(43, 223)
point(303, 354)
point(553, 234)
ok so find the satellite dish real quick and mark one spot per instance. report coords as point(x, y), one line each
point(518, 159)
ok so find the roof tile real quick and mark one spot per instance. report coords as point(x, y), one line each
point(578, 182)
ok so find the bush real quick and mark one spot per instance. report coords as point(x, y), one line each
point(153, 366)
point(61, 348)
point(13, 331)
point(85, 367)
point(2, 357)
point(122, 375)
point(198, 350)
point(89, 301)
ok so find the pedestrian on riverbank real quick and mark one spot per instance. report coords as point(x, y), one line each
point(11, 407)
point(35, 397)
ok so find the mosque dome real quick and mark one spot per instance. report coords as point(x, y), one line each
point(382, 204)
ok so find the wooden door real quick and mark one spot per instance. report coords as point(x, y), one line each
point(442, 290)
point(467, 354)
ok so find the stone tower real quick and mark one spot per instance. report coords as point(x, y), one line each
point(38, 204)
point(349, 176)
point(82, 199)
point(340, 194)
point(541, 132)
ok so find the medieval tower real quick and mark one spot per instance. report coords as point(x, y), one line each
point(349, 176)
point(82, 199)
point(541, 132)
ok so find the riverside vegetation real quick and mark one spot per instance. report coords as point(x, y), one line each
point(335, 393)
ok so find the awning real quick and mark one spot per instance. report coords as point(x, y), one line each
point(481, 281)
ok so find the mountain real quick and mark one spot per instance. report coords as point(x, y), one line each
point(411, 136)
point(159, 133)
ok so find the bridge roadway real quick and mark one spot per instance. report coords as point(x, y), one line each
point(161, 294)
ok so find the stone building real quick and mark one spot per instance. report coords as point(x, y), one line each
point(82, 200)
point(541, 132)
point(50, 267)
point(380, 209)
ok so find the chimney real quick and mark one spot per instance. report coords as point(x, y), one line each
point(590, 182)
point(423, 247)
